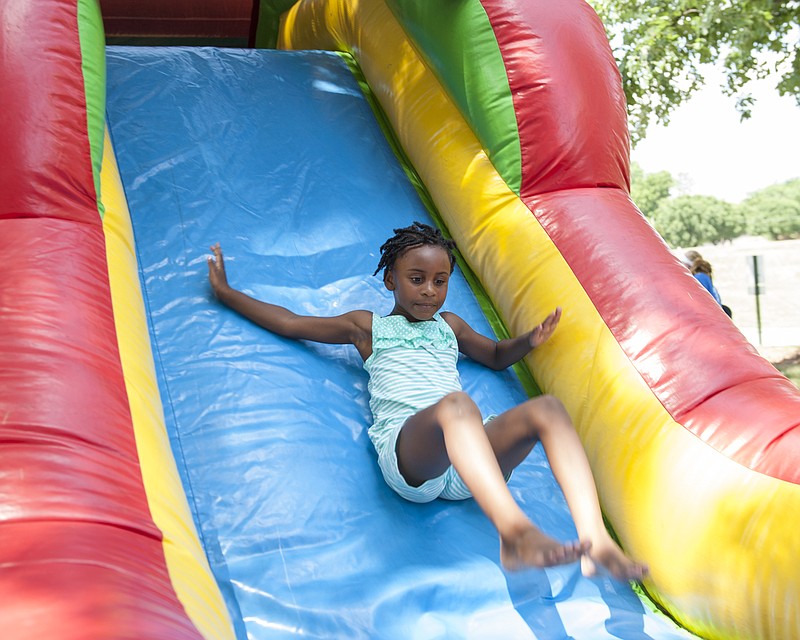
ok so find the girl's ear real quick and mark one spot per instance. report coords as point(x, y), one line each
point(388, 280)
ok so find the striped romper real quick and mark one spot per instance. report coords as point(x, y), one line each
point(412, 366)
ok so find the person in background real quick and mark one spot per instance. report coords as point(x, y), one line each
point(702, 271)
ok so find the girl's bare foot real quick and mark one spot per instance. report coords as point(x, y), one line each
point(609, 556)
point(529, 547)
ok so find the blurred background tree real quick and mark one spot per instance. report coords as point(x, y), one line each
point(649, 189)
point(661, 45)
point(692, 220)
point(689, 221)
point(774, 212)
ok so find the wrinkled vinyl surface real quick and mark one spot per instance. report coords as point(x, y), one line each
point(277, 156)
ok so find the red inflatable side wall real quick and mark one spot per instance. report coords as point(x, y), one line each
point(81, 556)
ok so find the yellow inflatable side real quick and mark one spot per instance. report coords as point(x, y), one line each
point(186, 561)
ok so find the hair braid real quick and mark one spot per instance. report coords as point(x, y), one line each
point(406, 238)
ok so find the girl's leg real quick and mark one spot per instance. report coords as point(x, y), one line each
point(452, 431)
point(513, 434)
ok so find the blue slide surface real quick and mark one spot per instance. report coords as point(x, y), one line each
point(277, 155)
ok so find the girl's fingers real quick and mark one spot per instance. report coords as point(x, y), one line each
point(217, 259)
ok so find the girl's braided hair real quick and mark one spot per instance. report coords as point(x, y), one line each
point(416, 235)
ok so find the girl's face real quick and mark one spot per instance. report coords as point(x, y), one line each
point(419, 280)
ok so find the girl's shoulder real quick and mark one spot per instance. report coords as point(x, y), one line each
point(358, 320)
point(456, 322)
point(361, 317)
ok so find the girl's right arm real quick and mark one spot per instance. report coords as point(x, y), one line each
point(354, 327)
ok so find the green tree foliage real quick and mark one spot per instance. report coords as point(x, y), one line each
point(774, 212)
point(688, 221)
point(649, 189)
point(661, 45)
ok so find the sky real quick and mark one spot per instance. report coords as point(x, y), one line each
point(710, 152)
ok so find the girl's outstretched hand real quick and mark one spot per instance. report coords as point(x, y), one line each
point(216, 270)
point(541, 333)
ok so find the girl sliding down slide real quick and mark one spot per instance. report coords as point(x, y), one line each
point(430, 437)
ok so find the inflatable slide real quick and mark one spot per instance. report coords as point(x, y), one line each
point(171, 471)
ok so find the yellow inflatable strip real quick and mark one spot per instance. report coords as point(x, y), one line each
point(670, 497)
point(186, 561)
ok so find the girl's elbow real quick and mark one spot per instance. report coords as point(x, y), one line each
point(498, 365)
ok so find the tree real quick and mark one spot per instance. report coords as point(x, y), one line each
point(774, 212)
point(649, 189)
point(689, 221)
point(660, 46)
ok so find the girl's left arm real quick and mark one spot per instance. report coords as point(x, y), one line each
point(502, 354)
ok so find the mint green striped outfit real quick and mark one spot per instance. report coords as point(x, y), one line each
point(412, 366)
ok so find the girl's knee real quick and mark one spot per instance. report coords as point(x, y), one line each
point(552, 404)
point(547, 411)
point(457, 404)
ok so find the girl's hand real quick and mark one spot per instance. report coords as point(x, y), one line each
point(540, 334)
point(216, 270)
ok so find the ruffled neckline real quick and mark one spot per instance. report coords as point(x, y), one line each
point(397, 331)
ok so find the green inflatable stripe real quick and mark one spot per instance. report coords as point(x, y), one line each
point(269, 18)
point(93, 63)
point(458, 42)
